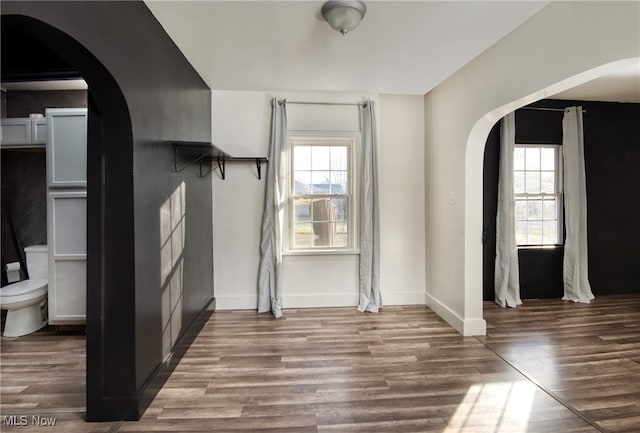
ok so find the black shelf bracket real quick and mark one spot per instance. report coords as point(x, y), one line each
point(259, 167)
point(177, 168)
point(202, 152)
point(222, 167)
point(222, 161)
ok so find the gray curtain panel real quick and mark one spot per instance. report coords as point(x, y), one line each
point(507, 278)
point(270, 271)
point(575, 266)
point(370, 297)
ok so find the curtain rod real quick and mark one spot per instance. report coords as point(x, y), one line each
point(323, 103)
point(547, 109)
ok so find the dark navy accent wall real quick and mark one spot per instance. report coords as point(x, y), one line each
point(489, 211)
point(612, 155)
point(143, 292)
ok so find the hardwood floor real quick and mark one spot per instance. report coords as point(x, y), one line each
point(588, 356)
point(548, 366)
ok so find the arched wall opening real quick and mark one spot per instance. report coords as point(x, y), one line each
point(474, 174)
point(144, 96)
point(110, 263)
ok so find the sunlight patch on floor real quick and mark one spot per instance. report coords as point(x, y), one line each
point(494, 408)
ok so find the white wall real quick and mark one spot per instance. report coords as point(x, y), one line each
point(401, 176)
point(241, 125)
point(564, 45)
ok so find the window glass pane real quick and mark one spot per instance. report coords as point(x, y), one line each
point(534, 232)
point(548, 181)
point(521, 209)
point(549, 210)
point(342, 237)
point(303, 235)
point(532, 158)
point(342, 218)
point(547, 158)
point(521, 232)
point(324, 234)
point(302, 157)
point(534, 209)
point(321, 158)
point(324, 227)
point(341, 209)
point(338, 157)
point(321, 181)
point(532, 182)
point(549, 232)
point(339, 182)
point(518, 182)
point(323, 210)
point(302, 210)
point(302, 182)
point(518, 158)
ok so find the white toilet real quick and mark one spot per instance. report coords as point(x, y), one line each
point(24, 300)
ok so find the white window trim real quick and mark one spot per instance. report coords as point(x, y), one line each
point(560, 194)
point(352, 140)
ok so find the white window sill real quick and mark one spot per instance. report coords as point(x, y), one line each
point(336, 252)
point(539, 247)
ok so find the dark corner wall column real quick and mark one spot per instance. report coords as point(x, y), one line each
point(612, 155)
point(150, 255)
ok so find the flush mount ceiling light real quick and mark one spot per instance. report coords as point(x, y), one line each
point(344, 15)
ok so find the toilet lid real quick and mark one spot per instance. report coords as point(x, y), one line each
point(23, 287)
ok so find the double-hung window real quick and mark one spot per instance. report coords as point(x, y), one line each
point(537, 184)
point(322, 196)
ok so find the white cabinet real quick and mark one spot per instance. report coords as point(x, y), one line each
point(67, 239)
point(23, 132)
point(67, 147)
point(38, 131)
point(67, 214)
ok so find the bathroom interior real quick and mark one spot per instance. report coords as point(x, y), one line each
point(43, 199)
point(39, 206)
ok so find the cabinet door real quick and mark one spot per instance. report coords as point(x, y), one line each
point(67, 239)
point(67, 147)
point(16, 131)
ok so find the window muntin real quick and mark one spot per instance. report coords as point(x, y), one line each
point(537, 185)
point(321, 194)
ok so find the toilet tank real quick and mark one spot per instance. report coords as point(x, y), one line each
point(37, 262)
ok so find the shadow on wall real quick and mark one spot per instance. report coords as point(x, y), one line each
point(172, 242)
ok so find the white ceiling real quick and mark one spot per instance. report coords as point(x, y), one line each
point(400, 47)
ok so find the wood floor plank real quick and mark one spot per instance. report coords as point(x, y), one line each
point(338, 370)
point(583, 353)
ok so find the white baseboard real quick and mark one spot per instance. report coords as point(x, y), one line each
point(250, 302)
point(466, 327)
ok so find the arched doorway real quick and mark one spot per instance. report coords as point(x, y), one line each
point(110, 264)
point(478, 136)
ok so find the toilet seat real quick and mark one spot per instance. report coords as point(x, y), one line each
point(22, 290)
